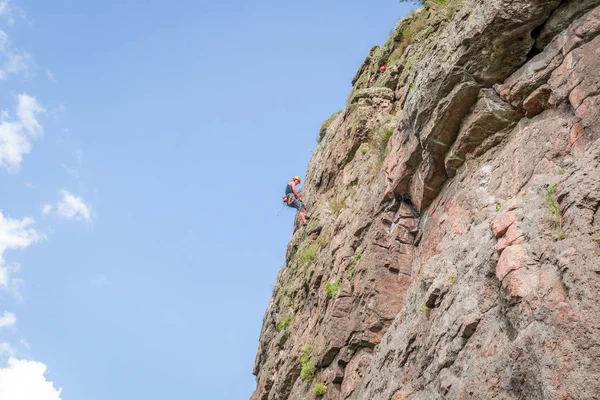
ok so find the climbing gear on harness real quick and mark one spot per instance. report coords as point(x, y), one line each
point(289, 199)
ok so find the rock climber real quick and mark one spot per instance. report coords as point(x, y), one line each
point(372, 80)
point(292, 198)
point(374, 77)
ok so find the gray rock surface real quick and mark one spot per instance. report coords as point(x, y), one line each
point(454, 245)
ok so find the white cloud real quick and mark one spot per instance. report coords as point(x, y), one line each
point(69, 207)
point(14, 234)
point(7, 320)
point(27, 109)
point(16, 135)
point(25, 380)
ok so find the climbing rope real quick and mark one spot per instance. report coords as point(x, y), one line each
point(235, 383)
point(282, 207)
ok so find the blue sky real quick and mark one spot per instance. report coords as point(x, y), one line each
point(144, 148)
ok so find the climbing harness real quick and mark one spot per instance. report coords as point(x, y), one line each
point(289, 199)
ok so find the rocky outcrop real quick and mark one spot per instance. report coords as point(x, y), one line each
point(454, 245)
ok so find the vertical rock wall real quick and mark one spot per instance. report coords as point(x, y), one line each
point(454, 245)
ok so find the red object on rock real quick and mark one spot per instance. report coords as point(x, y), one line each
point(383, 68)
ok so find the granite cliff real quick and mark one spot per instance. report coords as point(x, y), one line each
point(454, 245)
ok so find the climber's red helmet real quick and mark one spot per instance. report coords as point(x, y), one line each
point(383, 68)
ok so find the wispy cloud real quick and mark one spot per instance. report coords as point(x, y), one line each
point(14, 234)
point(69, 207)
point(9, 12)
point(4, 7)
point(50, 75)
point(25, 344)
point(13, 61)
point(7, 320)
point(101, 281)
point(73, 171)
point(7, 349)
point(56, 111)
point(25, 380)
point(16, 135)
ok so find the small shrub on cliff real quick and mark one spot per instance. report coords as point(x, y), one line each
point(356, 257)
point(426, 310)
point(452, 280)
point(305, 354)
point(353, 263)
point(308, 372)
point(386, 136)
point(319, 389)
point(310, 253)
point(551, 203)
point(284, 323)
point(331, 288)
point(554, 210)
point(596, 237)
point(364, 149)
point(351, 272)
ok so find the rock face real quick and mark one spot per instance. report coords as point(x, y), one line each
point(454, 245)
